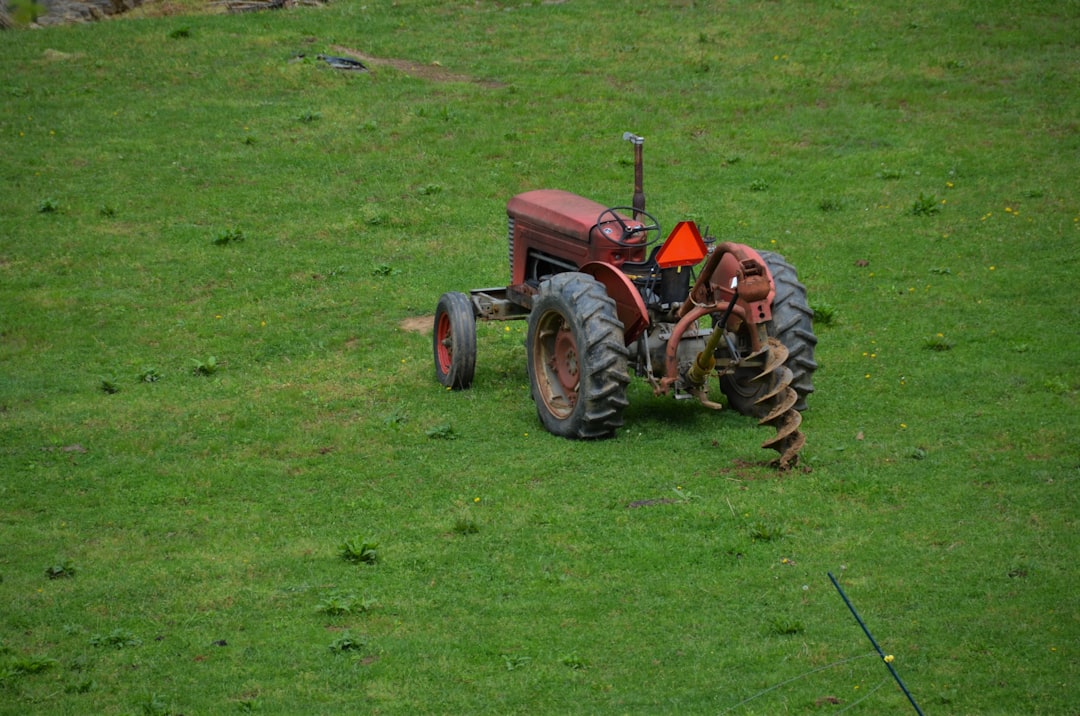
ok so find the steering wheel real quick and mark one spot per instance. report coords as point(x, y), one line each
point(628, 233)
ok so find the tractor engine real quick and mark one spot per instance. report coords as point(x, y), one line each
point(550, 230)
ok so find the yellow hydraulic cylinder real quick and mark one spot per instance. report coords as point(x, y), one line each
point(705, 362)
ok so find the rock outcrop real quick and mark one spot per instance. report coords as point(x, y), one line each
point(62, 12)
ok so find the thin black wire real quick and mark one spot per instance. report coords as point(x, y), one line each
point(796, 678)
point(867, 695)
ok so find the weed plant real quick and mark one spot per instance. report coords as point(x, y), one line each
point(915, 162)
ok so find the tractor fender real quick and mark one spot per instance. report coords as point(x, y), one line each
point(629, 305)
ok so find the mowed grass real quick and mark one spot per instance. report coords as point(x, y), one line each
point(211, 243)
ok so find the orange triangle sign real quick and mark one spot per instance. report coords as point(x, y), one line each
point(683, 247)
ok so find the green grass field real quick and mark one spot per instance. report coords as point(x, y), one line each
point(211, 396)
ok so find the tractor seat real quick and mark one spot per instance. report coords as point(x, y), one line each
point(645, 268)
point(659, 286)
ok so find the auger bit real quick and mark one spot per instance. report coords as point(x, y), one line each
point(780, 400)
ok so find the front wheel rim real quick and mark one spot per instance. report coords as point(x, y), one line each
point(444, 337)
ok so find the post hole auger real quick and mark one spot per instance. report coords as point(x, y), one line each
point(735, 287)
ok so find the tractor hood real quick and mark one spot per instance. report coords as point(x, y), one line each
point(557, 210)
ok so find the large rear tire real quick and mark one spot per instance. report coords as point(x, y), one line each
point(792, 324)
point(577, 358)
point(454, 341)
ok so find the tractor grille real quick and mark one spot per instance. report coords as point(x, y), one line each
point(510, 241)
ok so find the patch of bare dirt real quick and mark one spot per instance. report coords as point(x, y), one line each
point(749, 470)
point(434, 72)
point(51, 55)
point(417, 324)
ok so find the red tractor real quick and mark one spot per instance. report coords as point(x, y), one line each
point(603, 297)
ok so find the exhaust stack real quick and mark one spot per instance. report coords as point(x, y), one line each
point(639, 191)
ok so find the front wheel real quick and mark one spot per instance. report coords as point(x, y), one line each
point(454, 341)
point(577, 358)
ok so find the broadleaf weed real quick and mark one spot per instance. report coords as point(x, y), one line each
point(444, 431)
point(116, 639)
point(761, 531)
point(825, 314)
point(64, 569)
point(228, 236)
point(204, 367)
point(342, 604)
point(925, 205)
point(465, 524)
point(150, 375)
point(359, 550)
point(346, 643)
